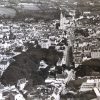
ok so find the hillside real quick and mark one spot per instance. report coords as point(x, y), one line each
point(7, 12)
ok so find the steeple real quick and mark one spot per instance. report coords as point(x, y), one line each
point(62, 20)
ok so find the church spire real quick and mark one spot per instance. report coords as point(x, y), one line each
point(62, 20)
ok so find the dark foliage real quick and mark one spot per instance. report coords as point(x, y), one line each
point(81, 32)
point(88, 67)
point(26, 66)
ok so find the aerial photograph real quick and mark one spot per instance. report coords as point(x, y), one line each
point(49, 49)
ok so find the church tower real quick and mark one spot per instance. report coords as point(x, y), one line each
point(63, 20)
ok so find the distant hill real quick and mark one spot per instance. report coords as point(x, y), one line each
point(37, 11)
point(7, 12)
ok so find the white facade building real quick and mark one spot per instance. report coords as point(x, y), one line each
point(90, 84)
point(4, 66)
point(16, 96)
point(43, 65)
point(21, 83)
point(63, 22)
point(45, 43)
point(95, 54)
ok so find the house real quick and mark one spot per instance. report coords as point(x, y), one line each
point(21, 83)
point(90, 84)
point(16, 96)
point(4, 65)
point(77, 58)
point(15, 27)
point(95, 54)
point(59, 63)
point(45, 43)
point(10, 93)
point(5, 28)
point(43, 65)
point(53, 41)
point(86, 87)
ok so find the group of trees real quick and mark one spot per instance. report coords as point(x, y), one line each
point(26, 66)
point(88, 67)
point(83, 32)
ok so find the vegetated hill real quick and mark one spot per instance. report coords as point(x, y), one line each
point(39, 14)
point(7, 12)
point(88, 67)
point(26, 66)
point(37, 11)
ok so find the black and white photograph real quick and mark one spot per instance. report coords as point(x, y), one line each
point(49, 49)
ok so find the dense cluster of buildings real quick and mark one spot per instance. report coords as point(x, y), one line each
point(76, 38)
point(86, 44)
point(12, 92)
point(16, 34)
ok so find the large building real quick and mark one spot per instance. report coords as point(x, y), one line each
point(63, 21)
point(95, 54)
